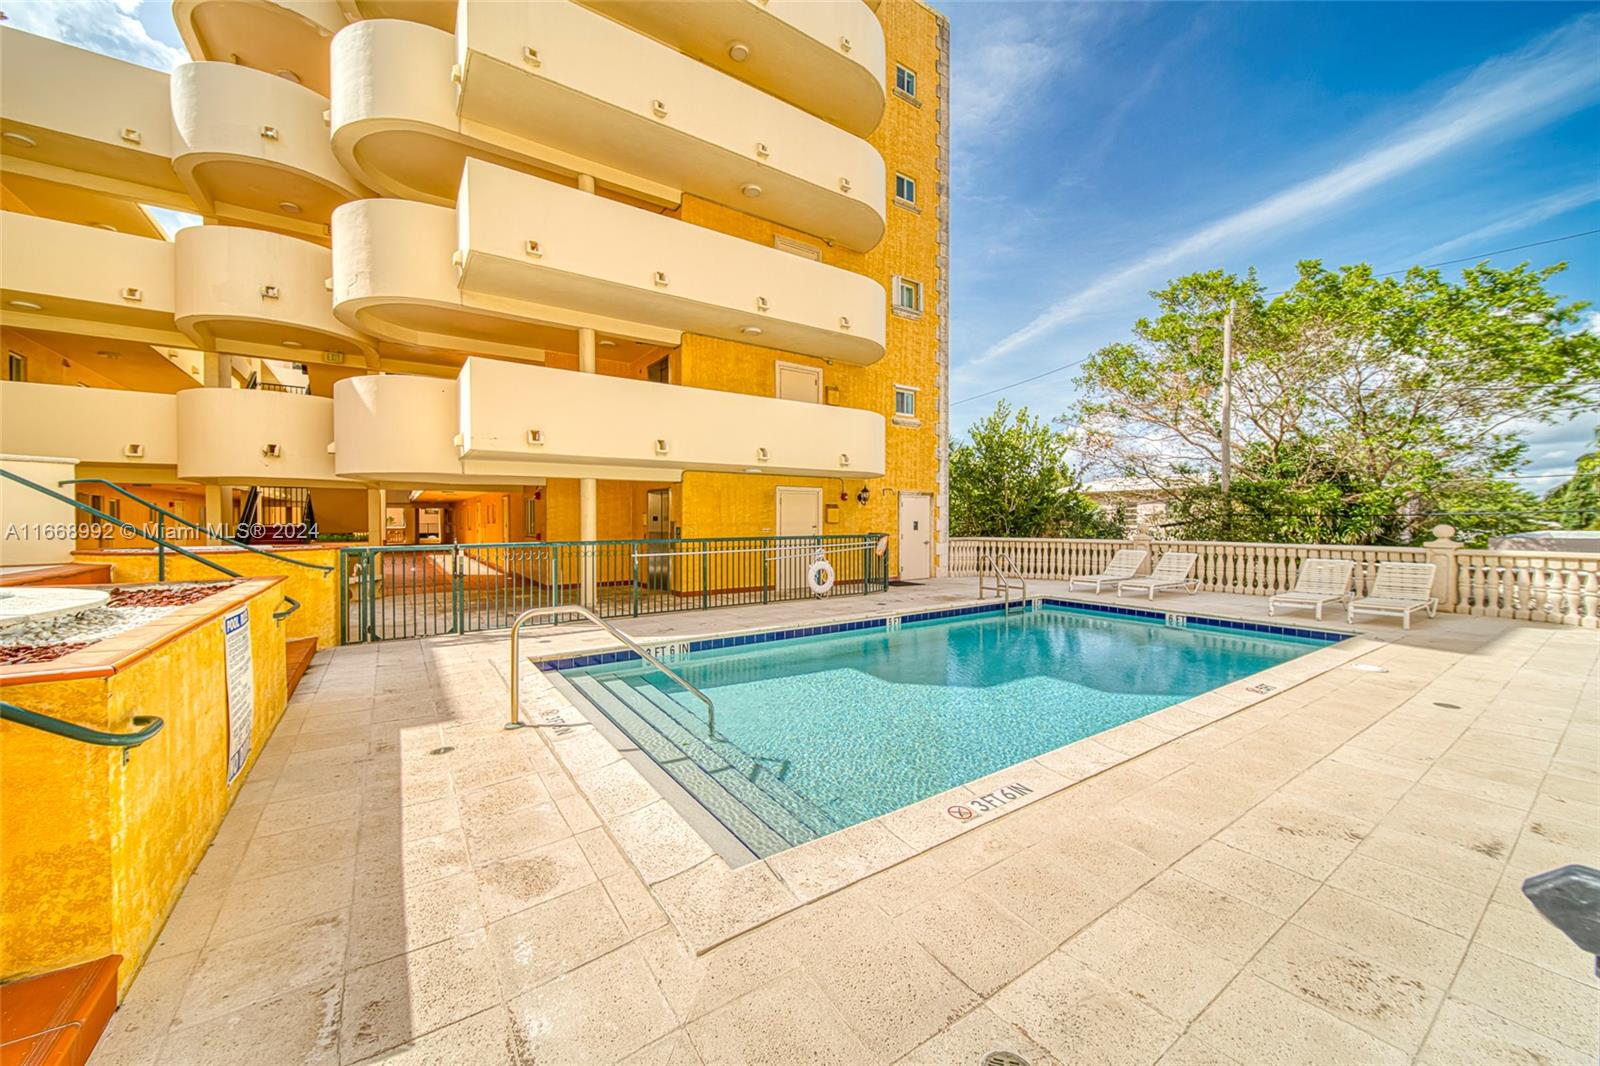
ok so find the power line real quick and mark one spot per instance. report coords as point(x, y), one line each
point(1280, 292)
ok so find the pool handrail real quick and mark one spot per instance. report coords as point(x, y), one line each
point(150, 726)
point(638, 649)
point(997, 565)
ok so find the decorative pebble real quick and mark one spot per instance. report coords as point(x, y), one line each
point(129, 607)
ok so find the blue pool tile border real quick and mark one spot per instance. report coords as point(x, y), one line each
point(1144, 614)
point(1322, 635)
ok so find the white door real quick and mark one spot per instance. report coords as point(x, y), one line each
point(803, 383)
point(916, 537)
point(799, 522)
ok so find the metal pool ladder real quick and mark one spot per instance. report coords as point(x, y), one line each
point(1003, 570)
point(584, 612)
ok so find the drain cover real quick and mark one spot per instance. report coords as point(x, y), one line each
point(1002, 1058)
point(1447, 706)
point(446, 750)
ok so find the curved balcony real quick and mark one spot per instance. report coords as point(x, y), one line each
point(288, 39)
point(523, 239)
point(257, 142)
point(100, 117)
point(826, 58)
point(254, 437)
point(394, 278)
point(398, 429)
point(440, 14)
point(259, 293)
point(537, 414)
point(79, 279)
point(558, 74)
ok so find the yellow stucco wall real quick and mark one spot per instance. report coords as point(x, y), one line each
point(319, 593)
point(93, 853)
point(716, 504)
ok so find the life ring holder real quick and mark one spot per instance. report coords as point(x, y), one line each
point(819, 578)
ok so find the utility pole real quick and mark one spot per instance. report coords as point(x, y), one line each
point(1227, 401)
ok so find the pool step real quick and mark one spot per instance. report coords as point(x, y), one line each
point(683, 709)
point(747, 813)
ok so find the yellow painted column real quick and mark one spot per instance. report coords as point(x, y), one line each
point(588, 488)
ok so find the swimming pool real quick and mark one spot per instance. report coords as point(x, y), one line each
point(816, 733)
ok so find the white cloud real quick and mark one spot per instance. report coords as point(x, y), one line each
point(1553, 206)
point(1513, 93)
point(1591, 323)
point(110, 27)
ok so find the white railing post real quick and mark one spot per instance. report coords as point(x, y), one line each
point(1442, 552)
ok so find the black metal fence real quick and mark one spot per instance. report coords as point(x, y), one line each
point(420, 590)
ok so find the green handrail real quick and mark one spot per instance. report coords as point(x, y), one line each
point(114, 487)
point(294, 605)
point(126, 527)
point(10, 712)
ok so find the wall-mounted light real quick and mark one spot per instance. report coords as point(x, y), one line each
point(761, 303)
point(269, 292)
point(133, 294)
point(844, 184)
point(131, 135)
point(533, 249)
point(535, 437)
point(844, 459)
point(661, 446)
point(844, 44)
point(762, 455)
point(530, 56)
point(844, 322)
point(738, 51)
point(863, 496)
point(659, 107)
point(661, 278)
point(272, 451)
point(762, 151)
point(269, 133)
point(133, 451)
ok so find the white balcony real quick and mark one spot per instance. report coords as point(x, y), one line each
point(68, 113)
point(78, 279)
point(254, 292)
point(288, 39)
point(827, 58)
point(250, 141)
point(254, 437)
point(500, 421)
point(102, 427)
point(399, 134)
point(523, 239)
point(514, 413)
point(556, 74)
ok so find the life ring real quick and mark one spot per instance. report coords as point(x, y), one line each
point(820, 577)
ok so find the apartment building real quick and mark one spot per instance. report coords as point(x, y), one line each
point(492, 271)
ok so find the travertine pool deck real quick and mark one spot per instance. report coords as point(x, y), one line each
point(1329, 874)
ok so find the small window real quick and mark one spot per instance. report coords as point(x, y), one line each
point(908, 295)
point(16, 366)
point(905, 189)
point(905, 401)
point(905, 80)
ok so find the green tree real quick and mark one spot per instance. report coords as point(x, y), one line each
point(1366, 408)
point(1010, 478)
point(1575, 504)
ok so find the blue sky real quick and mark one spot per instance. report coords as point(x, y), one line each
point(1101, 149)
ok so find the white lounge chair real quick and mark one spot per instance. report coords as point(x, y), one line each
point(1319, 583)
point(1399, 589)
point(1172, 572)
point(1123, 565)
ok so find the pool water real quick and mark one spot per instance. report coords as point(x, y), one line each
point(863, 723)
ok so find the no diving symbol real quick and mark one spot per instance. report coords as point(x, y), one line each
point(959, 813)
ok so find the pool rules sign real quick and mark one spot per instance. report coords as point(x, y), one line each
point(241, 688)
